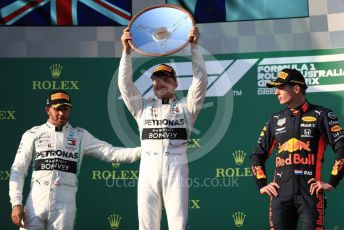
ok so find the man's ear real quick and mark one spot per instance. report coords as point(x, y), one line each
point(298, 89)
point(47, 109)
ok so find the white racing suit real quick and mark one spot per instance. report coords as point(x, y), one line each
point(56, 158)
point(164, 131)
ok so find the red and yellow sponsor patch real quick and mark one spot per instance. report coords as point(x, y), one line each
point(336, 128)
point(57, 96)
point(338, 165)
point(292, 145)
point(258, 172)
point(309, 119)
point(163, 68)
point(283, 75)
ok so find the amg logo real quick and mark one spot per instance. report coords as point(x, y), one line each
point(7, 115)
point(54, 85)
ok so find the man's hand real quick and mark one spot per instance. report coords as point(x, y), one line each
point(194, 36)
point(126, 36)
point(270, 189)
point(318, 186)
point(18, 216)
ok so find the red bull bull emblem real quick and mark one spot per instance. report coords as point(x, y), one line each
point(293, 145)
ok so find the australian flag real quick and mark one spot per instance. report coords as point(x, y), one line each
point(65, 12)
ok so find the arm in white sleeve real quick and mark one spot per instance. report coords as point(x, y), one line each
point(198, 88)
point(106, 152)
point(20, 168)
point(130, 94)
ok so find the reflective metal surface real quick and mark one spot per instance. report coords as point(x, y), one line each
point(160, 30)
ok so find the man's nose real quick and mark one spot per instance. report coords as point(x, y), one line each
point(276, 91)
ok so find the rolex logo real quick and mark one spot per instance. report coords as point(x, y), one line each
point(56, 70)
point(239, 157)
point(114, 221)
point(239, 218)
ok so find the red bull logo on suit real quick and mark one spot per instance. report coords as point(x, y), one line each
point(292, 145)
point(295, 159)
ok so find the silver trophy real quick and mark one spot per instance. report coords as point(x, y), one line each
point(160, 30)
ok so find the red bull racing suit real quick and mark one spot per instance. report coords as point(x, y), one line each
point(56, 158)
point(301, 137)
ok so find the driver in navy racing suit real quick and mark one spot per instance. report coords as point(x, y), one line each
point(301, 133)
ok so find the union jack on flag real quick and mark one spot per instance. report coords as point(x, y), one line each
point(65, 12)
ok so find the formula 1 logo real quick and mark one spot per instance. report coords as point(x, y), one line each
point(222, 76)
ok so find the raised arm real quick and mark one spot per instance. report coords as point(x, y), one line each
point(198, 88)
point(130, 94)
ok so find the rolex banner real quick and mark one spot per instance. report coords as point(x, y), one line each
point(223, 194)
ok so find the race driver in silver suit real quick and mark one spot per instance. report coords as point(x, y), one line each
point(165, 123)
point(55, 150)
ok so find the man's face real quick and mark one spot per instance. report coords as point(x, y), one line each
point(58, 116)
point(164, 87)
point(286, 94)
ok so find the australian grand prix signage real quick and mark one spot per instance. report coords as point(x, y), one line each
point(323, 73)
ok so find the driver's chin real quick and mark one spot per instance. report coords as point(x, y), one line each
point(283, 101)
point(162, 93)
point(61, 121)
